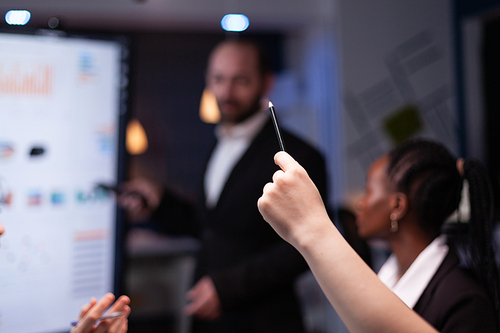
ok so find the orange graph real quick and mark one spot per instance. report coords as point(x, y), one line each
point(35, 81)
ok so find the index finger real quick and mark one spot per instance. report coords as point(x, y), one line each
point(86, 308)
point(116, 324)
point(120, 304)
point(284, 161)
point(87, 323)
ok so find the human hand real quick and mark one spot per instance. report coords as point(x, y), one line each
point(291, 204)
point(92, 311)
point(204, 300)
point(139, 197)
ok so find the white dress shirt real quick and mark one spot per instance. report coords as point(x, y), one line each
point(233, 141)
point(412, 284)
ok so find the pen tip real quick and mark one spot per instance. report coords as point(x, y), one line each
point(270, 104)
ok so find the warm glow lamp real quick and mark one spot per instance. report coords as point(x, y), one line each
point(136, 140)
point(209, 110)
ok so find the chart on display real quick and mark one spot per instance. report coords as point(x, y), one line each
point(62, 109)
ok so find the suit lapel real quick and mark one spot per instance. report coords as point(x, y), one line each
point(250, 154)
point(449, 263)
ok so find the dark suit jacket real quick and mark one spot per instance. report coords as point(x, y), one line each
point(454, 301)
point(252, 268)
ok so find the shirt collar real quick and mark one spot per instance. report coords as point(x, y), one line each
point(412, 284)
point(246, 129)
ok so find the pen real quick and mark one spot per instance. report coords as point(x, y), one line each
point(104, 317)
point(276, 126)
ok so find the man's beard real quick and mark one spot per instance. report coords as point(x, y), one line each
point(243, 114)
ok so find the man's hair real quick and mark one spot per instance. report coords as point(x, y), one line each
point(263, 62)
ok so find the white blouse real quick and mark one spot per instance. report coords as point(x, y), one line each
point(412, 284)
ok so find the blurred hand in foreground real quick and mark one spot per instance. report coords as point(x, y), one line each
point(92, 311)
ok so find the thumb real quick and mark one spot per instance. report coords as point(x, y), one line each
point(284, 161)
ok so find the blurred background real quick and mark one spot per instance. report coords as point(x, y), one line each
point(354, 77)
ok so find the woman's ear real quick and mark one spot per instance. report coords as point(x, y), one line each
point(400, 205)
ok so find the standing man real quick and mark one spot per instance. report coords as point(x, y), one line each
point(245, 273)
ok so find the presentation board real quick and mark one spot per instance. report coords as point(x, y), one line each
point(62, 109)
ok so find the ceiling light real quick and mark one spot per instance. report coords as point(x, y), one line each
point(17, 17)
point(235, 22)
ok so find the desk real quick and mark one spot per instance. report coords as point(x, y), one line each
point(158, 273)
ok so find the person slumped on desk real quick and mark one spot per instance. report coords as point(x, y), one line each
point(245, 273)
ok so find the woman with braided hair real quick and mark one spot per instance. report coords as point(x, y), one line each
point(410, 193)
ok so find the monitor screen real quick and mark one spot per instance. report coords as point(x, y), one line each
point(62, 102)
